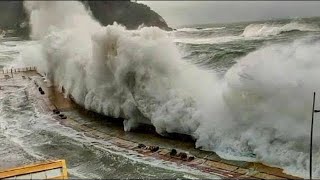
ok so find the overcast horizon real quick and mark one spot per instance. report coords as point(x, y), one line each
point(183, 13)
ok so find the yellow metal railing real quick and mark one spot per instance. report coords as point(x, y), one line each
point(48, 170)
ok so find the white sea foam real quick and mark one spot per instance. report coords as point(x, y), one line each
point(263, 30)
point(28, 132)
point(210, 40)
point(251, 32)
point(200, 29)
point(259, 110)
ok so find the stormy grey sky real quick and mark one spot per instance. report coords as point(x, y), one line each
point(178, 13)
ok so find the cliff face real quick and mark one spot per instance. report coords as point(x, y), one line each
point(129, 14)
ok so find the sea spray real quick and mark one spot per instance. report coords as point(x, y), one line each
point(270, 91)
point(122, 73)
point(259, 110)
point(269, 29)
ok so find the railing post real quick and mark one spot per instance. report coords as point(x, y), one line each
point(311, 135)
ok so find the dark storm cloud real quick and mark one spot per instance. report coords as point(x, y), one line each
point(197, 12)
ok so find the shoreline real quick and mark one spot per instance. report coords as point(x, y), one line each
point(111, 130)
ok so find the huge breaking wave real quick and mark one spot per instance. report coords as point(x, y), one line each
point(259, 110)
point(266, 29)
point(253, 31)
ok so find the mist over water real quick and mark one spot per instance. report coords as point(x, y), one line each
point(258, 109)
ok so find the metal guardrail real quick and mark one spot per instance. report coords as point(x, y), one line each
point(15, 70)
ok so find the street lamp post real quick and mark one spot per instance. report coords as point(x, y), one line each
point(311, 132)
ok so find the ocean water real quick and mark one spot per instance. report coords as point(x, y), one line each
point(29, 136)
point(243, 90)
